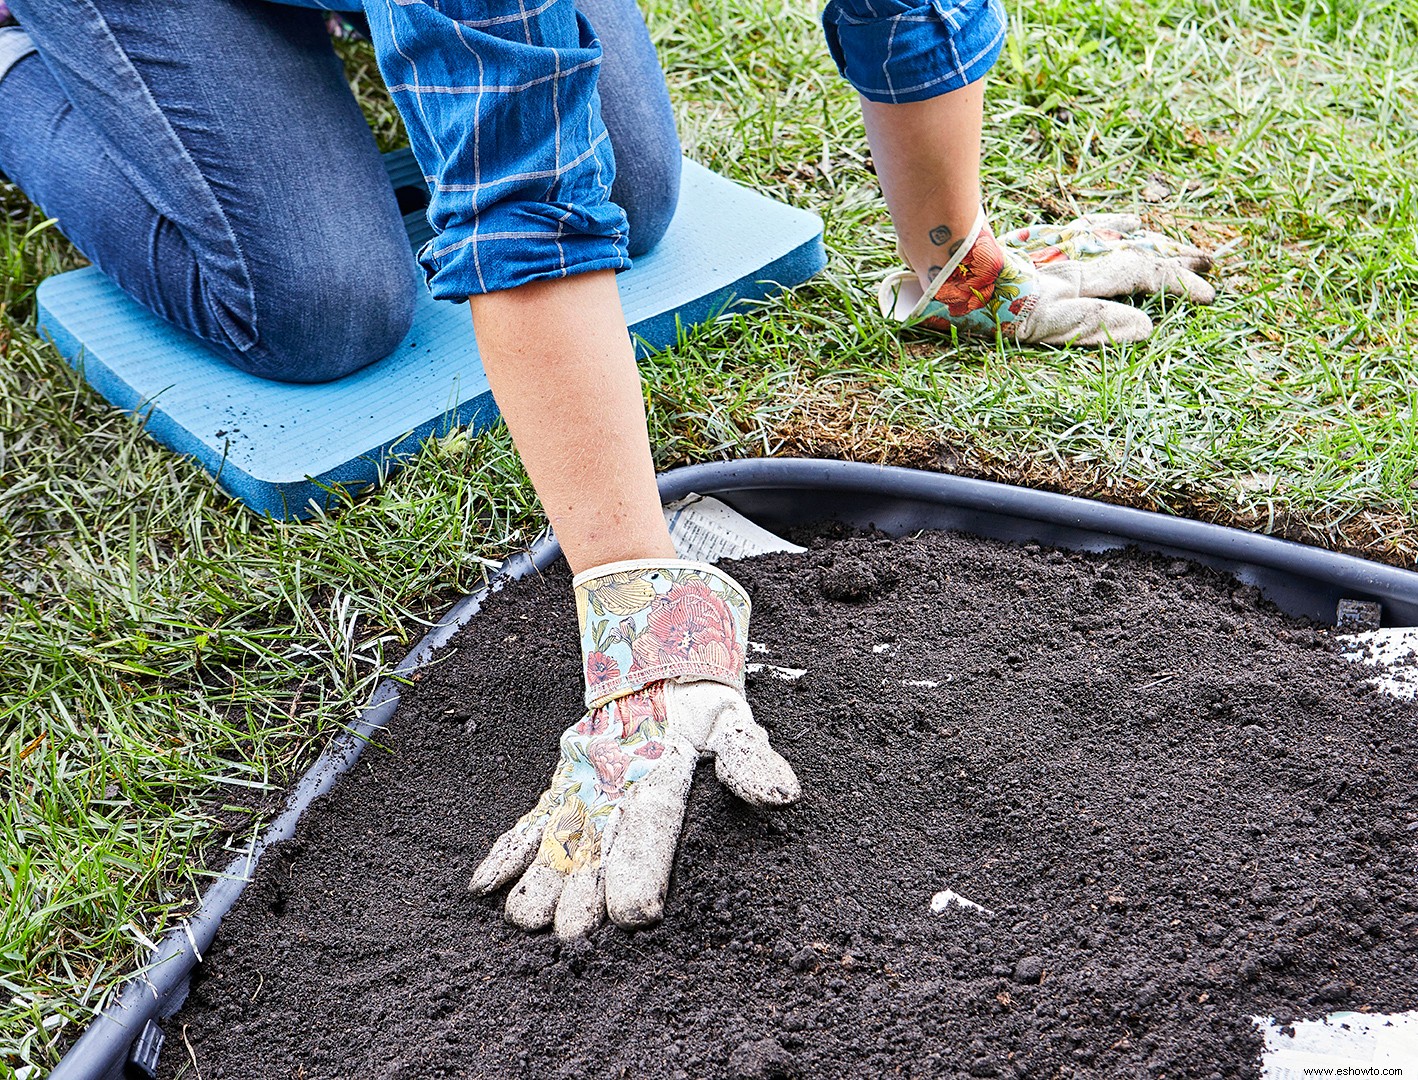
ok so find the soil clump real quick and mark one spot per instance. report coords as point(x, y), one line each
point(1175, 807)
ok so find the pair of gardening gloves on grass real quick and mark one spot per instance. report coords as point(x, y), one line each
point(1050, 284)
point(663, 642)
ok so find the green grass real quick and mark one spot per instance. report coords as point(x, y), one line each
point(169, 660)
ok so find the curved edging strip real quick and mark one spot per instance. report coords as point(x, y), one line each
point(1016, 513)
point(1300, 579)
point(101, 1052)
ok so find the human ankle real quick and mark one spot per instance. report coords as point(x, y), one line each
point(941, 247)
point(947, 258)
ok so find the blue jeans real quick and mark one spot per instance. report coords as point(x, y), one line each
point(211, 160)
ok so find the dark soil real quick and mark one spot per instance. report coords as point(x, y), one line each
point(1180, 807)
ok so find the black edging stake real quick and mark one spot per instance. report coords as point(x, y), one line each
point(143, 1058)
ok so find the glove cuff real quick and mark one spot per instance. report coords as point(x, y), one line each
point(984, 290)
point(647, 620)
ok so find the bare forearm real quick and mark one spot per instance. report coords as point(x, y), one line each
point(561, 366)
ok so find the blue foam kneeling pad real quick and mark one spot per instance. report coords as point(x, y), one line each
point(281, 448)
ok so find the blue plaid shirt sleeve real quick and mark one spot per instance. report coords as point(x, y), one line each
point(499, 98)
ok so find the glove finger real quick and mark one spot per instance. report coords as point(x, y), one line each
point(1164, 247)
point(1195, 288)
point(641, 852)
point(511, 854)
point(582, 906)
point(532, 902)
point(1084, 322)
point(746, 764)
point(1127, 272)
point(1122, 223)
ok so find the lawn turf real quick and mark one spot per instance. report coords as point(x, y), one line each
point(169, 660)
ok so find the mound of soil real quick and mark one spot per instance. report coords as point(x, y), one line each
point(1175, 807)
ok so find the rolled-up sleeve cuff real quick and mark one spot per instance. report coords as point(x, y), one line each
point(898, 51)
point(501, 104)
point(516, 243)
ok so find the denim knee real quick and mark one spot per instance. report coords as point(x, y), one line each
point(649, 194)
point(635, 105)
point(317, 324)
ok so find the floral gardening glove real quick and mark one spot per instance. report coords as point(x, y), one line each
point(663, 644)
point(1044, 285)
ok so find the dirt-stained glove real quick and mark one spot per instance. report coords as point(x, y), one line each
point(1044, 285)
point(663, 644)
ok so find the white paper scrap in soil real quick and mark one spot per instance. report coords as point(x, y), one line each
point(707, 530)
point(787, 674)
point(1394, 648)
point(1354, 1042)
point(948, 898)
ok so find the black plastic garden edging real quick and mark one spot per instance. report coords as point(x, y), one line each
point(122, 1040)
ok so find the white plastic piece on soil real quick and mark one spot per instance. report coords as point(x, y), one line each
point(947, 898)
point(924, 684)
point(705, 529)
point(1394, 648)
point(757, 646)
point(787, 674)
point(927, 684)
point(1353, 1042)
